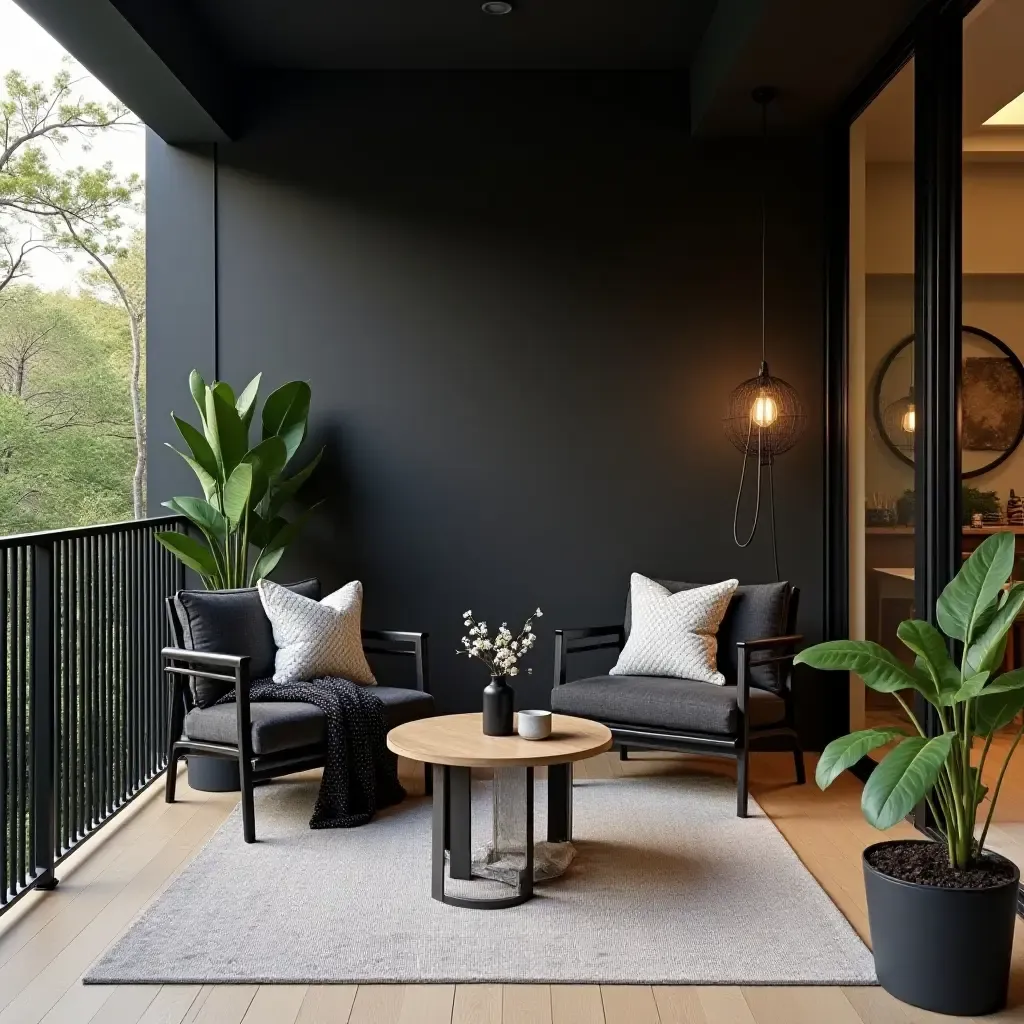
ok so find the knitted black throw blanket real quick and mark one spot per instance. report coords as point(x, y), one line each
point(360, 774)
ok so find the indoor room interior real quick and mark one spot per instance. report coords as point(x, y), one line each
point(882, 286)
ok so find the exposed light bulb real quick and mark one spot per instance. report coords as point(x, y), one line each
point(765, 411)
point(909, 421)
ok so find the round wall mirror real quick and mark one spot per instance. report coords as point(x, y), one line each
point(991, 394)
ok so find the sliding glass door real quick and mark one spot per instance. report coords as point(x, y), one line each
point(882, 403)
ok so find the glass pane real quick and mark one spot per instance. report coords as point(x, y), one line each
point(881, 401)
point(992, 339)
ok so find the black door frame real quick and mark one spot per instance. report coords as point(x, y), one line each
point(934, 40)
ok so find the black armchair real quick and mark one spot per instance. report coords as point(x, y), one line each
point(267, 739)
point(754, 711)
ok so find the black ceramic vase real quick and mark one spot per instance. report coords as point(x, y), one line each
point(498, 700)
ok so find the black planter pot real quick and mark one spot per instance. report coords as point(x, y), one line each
point(498, 700)
point(945, 950)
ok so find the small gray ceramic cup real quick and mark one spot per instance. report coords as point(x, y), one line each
point(534, 725)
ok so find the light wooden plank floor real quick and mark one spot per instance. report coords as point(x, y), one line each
point(49, 939)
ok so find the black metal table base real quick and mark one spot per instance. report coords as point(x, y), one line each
point(452, 832)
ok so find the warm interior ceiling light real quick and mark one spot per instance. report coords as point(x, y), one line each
point(496, 7)
point(1011, 114)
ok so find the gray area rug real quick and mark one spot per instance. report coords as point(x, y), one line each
point(668, 887)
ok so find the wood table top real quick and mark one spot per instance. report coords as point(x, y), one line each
point(459, 741)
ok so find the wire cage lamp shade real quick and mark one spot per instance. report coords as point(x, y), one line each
point(765, 416)
point(900, 420)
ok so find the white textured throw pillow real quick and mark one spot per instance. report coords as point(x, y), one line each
point(317, 638)
point(674, 634)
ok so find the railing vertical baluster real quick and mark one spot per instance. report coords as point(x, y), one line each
point(18, 727)
point(44, 788)
point(106, 693)
point(68, 726)
point(80, 696)
point(133, 656)
point(118, 633)
point(162, 641)
point(60, 691)
point(82, 710)
point(147, 633)
point(97, 680)
point(5, 746)
point(89, 657)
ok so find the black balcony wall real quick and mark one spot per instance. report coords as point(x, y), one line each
point(521, 300)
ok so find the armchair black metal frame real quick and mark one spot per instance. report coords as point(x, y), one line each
point(778, 650)
point(182, 665)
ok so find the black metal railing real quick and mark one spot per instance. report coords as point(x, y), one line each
point(83, 709)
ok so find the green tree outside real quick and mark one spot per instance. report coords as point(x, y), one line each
point(72, 362)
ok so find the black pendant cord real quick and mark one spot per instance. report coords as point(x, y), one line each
point(764, 218)
point(739, 495)
point(771, 494)
point(764, 100)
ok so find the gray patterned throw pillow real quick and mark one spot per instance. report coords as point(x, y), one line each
point(317, 638)
point(674, 634)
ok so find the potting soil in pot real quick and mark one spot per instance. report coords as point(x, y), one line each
point(928, 864)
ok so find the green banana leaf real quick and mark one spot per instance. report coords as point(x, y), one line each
point(225, 432)
point(986, 653)
point(236, 493)
point(246, 404)
point(192, 552)
point(198, 446)
point(846, 751)
point(272, 552)
point(225, 391)
point(996, 710)
point(206, 481)
point(879, 669)
point(267, 459)
point(971, 688)
point(903, 778)
point(284, 490)
point(285, 414)
point(208, 518)
point(1007, 682)
point(933, 657)
point(197, 386)
point(975, 587)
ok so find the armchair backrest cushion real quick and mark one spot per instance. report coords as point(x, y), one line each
point(230, 622)
point(756, 610)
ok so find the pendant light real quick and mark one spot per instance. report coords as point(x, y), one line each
point(765, 416)
point(900, 417)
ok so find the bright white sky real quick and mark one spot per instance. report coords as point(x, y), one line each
point(24, 46)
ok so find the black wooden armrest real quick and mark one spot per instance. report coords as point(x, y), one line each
point(766, 642)
point(181, 665)
point(229, 662)
point(391, 641)
point(785, 645)
point(589, 638)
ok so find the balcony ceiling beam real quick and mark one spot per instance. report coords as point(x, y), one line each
point(815, 53)
point(153, 58)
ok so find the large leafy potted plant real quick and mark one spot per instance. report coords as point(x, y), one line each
point(245, 489)
point(941, 913)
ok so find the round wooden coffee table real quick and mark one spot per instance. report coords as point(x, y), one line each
point(455, 744)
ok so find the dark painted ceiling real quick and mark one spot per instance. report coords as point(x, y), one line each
point(815, 52)
point(386, 34)
point(185, 66)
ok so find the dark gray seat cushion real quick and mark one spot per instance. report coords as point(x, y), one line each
point(230, 622)
point(287, 725)
point(757, 610)
point(659, 702)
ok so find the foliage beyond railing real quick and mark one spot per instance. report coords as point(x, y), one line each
point(82, 705)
